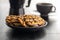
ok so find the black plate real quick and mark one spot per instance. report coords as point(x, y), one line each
point(27, 28)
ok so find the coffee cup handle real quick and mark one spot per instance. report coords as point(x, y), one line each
point(54, 9)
